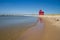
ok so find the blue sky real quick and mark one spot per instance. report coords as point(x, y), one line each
point(29, 6)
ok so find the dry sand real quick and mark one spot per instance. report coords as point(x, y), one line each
point(52, 28)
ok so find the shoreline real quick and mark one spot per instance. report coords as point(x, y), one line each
point(33, 33)
point(14, 32)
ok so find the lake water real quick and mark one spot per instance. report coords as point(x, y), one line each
point(11, 27)
point(12, 20)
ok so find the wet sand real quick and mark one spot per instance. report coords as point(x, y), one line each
point(33, 33)
point(13, 32)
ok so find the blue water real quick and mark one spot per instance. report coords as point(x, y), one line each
point(12, 20)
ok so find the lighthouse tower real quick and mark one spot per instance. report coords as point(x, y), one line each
point(41, 12)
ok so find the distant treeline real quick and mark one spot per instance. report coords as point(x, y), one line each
point(11, 15)
point(6, 15)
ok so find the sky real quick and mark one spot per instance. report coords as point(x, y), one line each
point(29, 6)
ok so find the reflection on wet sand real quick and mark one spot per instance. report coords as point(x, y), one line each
point(35, 32)
point(40, 20)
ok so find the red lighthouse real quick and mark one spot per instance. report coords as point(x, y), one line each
point(41, 12)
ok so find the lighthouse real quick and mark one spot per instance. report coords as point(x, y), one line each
point(41, 12)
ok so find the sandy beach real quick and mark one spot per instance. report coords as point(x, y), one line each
point(46, 28)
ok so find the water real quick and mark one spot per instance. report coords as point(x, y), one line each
point(12, 20)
